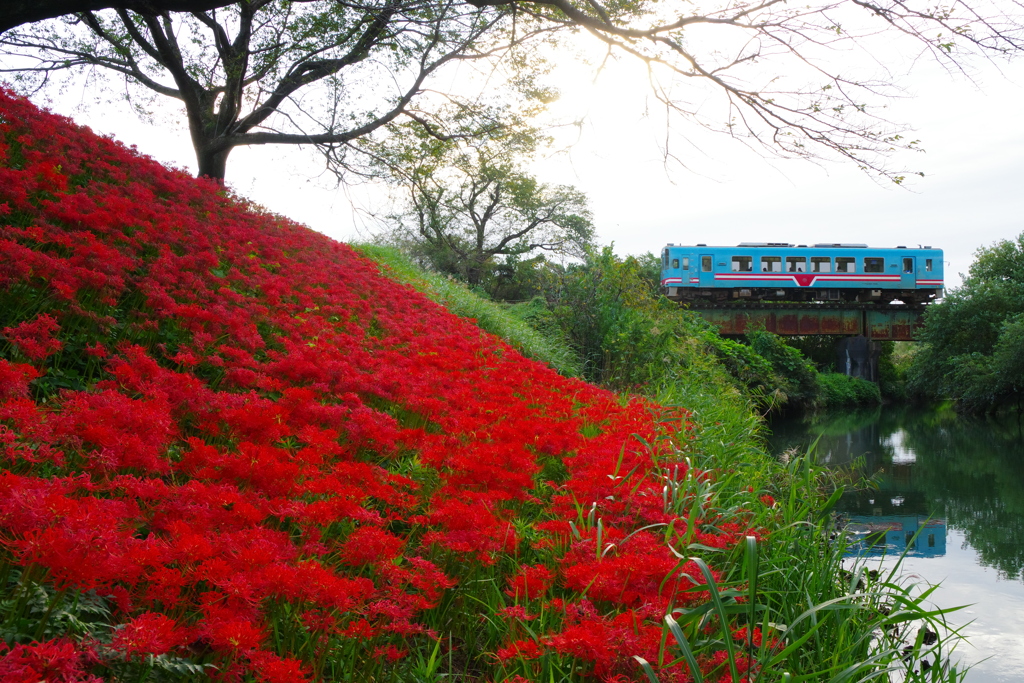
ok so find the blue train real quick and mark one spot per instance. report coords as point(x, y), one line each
point(775, 271)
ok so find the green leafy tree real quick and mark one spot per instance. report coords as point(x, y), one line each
point(973, 341)
point(799, 378)
point(1008, 358)
point(468, 209)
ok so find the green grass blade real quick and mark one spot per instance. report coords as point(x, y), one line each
point(684, 647)
point(651, 676)
point(719, 608)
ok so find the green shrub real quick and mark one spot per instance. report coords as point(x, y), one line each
point(623, 332)
point(800, 379)
point(841, 390)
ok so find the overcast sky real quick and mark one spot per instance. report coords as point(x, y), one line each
point(972, 193)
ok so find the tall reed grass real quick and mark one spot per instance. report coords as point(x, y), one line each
point(793, 605)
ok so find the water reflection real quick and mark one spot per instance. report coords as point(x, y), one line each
point(932, 471)
point(892, 535)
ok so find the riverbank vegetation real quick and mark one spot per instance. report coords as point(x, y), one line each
point(232, 449)
point(972, 345)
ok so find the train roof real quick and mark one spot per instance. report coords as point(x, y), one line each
point(787, 245)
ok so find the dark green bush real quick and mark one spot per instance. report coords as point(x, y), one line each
point(799, 379)
point(840, 390)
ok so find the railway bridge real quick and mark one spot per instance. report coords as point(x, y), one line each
point(862, 326)
point(878, 323)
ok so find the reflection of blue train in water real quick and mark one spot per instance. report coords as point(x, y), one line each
point(872, 536)
point(773, 271)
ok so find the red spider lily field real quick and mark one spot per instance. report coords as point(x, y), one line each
point(233, 449)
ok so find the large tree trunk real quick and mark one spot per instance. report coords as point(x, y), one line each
point(474, 274)
point(213, 164)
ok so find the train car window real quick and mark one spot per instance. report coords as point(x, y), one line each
point(928, 265)
point(686, 263)
point(742, 264)
point(821, 264)
point(846, 264)
point(874, 264)
point(908, 265)
point(705, 264)
point(664, 258)
point(796, 264)
point(675, 263)
point(771, 264)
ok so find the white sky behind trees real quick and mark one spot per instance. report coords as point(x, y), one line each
point(715, 190)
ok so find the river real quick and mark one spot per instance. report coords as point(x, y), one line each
point(960, 484)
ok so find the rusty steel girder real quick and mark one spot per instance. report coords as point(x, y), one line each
point(877, 324)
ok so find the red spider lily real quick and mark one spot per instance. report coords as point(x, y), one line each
point(149, 633)
point(516, 612)
point(639, 570)
point(270, 668)
point(55, 661)
point(14, 379)
point(522, 649)
point(530, 583)
point(369, 545)
point(603, 642)
point(34, 338)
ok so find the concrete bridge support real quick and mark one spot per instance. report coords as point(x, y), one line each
point(858, 357)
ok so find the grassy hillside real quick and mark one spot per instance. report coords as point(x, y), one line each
point(232, 449)
point(488, 315)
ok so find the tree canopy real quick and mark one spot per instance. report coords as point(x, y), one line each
point(466, 208)
point(773, 74)
point(973, 341)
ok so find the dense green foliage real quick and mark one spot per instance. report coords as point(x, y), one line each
point(972, 347)
point(800, 379)
point(841, 390)
point(630, 338)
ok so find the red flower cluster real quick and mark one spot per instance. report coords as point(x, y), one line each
point(218, 418)
point(54, 661)
point(34, 338)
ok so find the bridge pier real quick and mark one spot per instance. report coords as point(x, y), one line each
point(858, 357)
